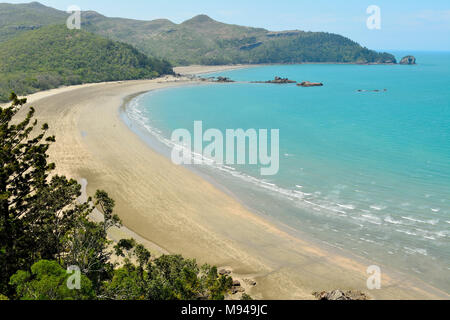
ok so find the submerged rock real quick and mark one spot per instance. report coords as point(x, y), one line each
point(307, 84)
point(376, 90)
point(214, 79)
point(408, 60)
point(224, 79)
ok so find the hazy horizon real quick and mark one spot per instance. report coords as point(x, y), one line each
point(405, 25)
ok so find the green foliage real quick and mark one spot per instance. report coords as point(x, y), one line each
point(165, 278)
point(44, 230)
point(3, 298)
point(23, 175)
point(40, 217)
point(246, 297)
point(53, 56)
point(48, 281)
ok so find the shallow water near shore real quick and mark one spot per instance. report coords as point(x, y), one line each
point(365, 171)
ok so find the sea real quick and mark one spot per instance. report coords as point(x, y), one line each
point(364, 160)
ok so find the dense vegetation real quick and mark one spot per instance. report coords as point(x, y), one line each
point(201, 40)
point(54, 55)
point(44, 230)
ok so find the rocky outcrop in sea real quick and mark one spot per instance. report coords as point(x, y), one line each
point(408, 60)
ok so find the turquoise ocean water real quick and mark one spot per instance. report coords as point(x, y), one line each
point(365, 171)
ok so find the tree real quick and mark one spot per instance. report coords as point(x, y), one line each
point(106, 205)
point(40, 216)
point(86, 243)
point(48, 281)
point(37, 211)
point(169, 277)
point(23, 172)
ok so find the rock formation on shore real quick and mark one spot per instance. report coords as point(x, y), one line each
point(408, 60)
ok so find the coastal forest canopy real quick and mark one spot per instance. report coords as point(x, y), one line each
point(52, 56)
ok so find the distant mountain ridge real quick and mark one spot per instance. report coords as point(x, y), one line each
point(200, 40)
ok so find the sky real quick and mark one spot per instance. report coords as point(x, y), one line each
point(404, 24)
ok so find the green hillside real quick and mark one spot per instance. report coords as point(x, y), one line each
point(54, 55)
point(19, 18)
point(202, 40)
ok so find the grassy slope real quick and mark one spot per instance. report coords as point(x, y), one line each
point(19, 18)
point(52, 56)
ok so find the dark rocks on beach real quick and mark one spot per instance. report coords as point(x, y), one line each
point(408, 60)
point(236, 290)
point(224, 272)
point(223, 79)
point(307, 84)
point(337, 295)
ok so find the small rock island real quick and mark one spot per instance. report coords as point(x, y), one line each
point(408, 60)
point(277, 80)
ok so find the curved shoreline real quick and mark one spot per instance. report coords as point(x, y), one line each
point(156, 144)
point(183, 213)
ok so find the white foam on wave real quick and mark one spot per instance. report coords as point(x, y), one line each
point(372, 219)
point(442, 234)
point(367, 240)
point(347, 206)
point(391, 220)
point(377, 207)
point(416, 250)
point(431, 222)
point(408, 232)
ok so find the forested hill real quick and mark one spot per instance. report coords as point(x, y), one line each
point(200, 40)
point(54, 55)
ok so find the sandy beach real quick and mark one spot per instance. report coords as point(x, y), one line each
point(176, 211)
